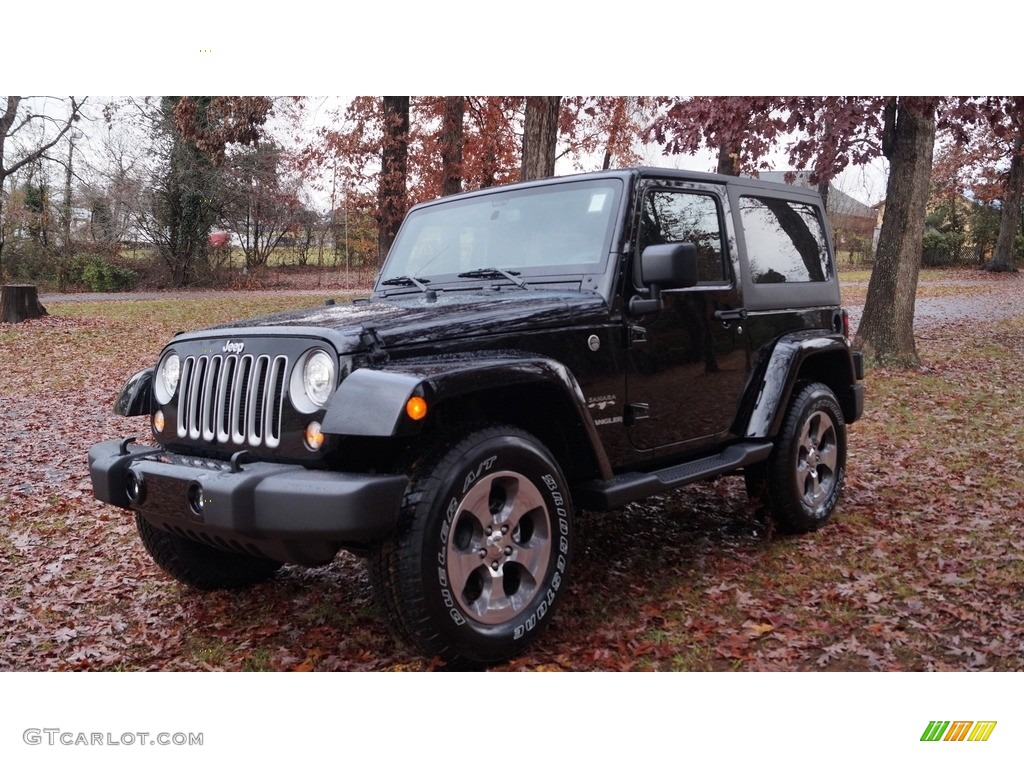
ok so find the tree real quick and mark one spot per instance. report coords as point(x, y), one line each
point(540, 137)
point(742, 130)
point(175, 196)
point(39, 209)
point(985, 157)
point(886, 331)
point(187, 198)
point(607, 126)
point(1003, 259)
point(1006, 125)
point(260, 204)
point(472, 142)
point(116, 185)
point(391, 193)
point(451, 144)
point(214, 123)
point(15, 119)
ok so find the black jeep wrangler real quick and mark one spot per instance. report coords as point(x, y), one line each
point(529, 350)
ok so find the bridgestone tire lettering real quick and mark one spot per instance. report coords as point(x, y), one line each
point(483, 549)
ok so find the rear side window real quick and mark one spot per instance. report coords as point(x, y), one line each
point(785, 241)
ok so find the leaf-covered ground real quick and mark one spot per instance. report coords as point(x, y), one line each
point(922, 567)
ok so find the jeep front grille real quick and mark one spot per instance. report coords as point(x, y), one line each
point(232, 399)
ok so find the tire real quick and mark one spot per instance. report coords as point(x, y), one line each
point(803, 477)
point(201, 566)
point(481, 556)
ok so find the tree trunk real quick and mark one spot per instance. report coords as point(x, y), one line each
point(1003, 259)
point(614, 131)
point(886, 332)
point(64, 267)
point(6, 122)
point(451, 145)
point(824, 188)
point(392, 189)
point(728, 160)
point(18, 303)
point(540, 137)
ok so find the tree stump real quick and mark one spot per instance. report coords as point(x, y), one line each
point(19, 302)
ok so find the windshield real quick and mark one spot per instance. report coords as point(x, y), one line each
point(564, 228)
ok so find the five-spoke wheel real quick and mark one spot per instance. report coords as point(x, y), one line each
point(482, 553)
point(802, 478)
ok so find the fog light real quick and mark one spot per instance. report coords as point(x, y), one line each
point(314, 437)
point(158, 421)
point(416, 408)
point(195, 498)
point(134, 486)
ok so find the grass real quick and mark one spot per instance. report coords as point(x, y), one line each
point(181, 313)
point(281, 256)
point(922, 560)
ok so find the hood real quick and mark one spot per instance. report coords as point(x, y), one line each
point(411, 319)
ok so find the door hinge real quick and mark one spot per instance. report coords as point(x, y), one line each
point(636, 412)
point(637, 335)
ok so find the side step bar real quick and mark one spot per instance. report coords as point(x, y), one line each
point(602, 495)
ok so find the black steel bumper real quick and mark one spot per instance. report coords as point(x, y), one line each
point(281, 511)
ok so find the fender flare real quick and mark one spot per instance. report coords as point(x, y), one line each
point(134, 399)
point(370, 402)
point(780, 375)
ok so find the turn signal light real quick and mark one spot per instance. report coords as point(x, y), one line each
point(416, 408)
point(314, 437)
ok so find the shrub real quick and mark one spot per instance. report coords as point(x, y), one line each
point(942, 249)
point(99, 275)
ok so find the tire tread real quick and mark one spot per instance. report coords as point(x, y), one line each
point(201, 566)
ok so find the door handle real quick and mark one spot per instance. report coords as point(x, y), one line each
point(728, 315)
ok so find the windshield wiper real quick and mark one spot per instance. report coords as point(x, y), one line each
point(406, 280)
point(494, 272)
point(412, 281)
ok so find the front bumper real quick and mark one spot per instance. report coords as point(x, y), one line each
point(281, 511)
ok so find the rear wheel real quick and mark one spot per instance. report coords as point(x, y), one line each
point(201, 566)
point(482, 553)
point(802, 479)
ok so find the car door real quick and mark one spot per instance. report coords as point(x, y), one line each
point(690, 360)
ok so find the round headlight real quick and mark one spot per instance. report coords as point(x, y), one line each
point(318, 376)
point(167, 378)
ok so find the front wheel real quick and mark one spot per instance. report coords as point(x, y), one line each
point(803, 477)
point(482, 554)
point(201, 566)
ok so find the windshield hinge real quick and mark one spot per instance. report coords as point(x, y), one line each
point(374, 345)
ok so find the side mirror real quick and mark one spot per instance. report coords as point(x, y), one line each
point(664, 266)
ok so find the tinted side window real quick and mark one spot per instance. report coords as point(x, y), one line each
point(686, 217)
point(785, 241)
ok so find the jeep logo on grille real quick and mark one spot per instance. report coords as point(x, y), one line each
point(234, 347)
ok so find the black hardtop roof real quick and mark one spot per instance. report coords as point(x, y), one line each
point(629, 174)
